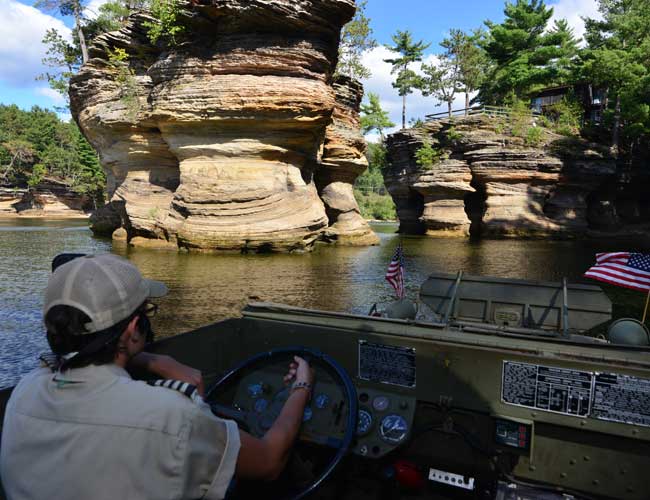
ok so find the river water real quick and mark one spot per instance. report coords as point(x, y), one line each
point(206, 288)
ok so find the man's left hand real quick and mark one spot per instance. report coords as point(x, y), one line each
point(167, 367)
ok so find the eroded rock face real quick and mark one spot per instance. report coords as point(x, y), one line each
point(493, 184)
point(219, 144)
point(343, 160)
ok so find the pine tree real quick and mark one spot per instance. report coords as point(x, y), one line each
point(617, 59)
point(356, 38)
point(563, 49)
point(373, 117)
point(409, 52)
point(520, 51)
point(441, 80)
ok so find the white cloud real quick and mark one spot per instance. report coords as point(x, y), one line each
point(56, 98)
point(573, 11)
point(381, 83)
point(92, 9)
point(21, 30)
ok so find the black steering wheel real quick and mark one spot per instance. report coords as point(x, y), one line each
point(253, 419)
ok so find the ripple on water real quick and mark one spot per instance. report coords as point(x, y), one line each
point(208, 288)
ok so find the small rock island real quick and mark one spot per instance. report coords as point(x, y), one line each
point(236, 138)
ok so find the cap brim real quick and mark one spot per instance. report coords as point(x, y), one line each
point(156, 288)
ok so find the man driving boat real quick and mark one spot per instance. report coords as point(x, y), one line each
point(82, 428)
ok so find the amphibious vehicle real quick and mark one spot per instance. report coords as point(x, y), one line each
point(494, 393)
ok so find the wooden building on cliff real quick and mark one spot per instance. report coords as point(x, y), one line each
point(591, 98)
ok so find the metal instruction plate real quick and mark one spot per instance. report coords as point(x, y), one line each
point(621, 398)
point(558, 390)
point(387, 364)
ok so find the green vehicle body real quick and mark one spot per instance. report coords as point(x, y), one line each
point(459, 399)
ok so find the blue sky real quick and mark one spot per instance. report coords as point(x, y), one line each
point(22, 27)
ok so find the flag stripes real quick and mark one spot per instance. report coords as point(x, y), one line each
point(629, 270)
point(395, 272)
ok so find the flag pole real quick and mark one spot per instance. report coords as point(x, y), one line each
point(645, 311)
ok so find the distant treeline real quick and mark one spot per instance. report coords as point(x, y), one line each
point(36, 144)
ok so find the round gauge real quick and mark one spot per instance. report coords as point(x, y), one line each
point(380, 403)
point(393, 429)
point(261, 405)
point(255, 390)
point(322, 400)
point(364, 423)
point(307, 414)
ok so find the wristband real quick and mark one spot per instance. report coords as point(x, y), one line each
point(301, 385)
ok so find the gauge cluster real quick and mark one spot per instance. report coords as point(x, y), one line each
point(384, 421)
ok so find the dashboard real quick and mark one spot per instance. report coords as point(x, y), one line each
point(384, 418)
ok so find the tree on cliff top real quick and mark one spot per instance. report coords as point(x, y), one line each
point(617, 59)
point(409, 52)
point(74, 8)
point(460, 68)
point(520, 50)
point(473, 63)
point(441, 80)
point(373, 117)
point(63, 57)
point(356, 38)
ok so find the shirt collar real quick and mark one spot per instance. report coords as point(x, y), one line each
point(91, 374)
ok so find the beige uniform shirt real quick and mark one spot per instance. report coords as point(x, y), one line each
point(102, 435)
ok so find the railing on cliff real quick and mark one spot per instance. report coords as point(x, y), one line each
point(477, 110)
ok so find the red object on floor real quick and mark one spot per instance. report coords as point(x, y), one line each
point(408, 475)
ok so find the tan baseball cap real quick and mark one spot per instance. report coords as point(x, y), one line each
point(106, 287)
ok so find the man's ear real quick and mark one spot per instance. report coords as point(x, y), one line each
point(131, 330)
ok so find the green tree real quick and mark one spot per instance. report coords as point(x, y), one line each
point(563, 50)
point(409, 52)
point(35, 145)
point(617, 59)
point(373, 117)
point(473, 63)
point(520, 51)
point(460, 68)
point(356, 38)
point(20, 154)
point(166, 26)
point(63, 59)
point(441, 80)
point(74, 8)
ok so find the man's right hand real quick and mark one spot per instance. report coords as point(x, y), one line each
point(265, 458)
point(299, 371)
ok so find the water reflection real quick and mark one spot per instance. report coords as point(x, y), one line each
point(206, 288)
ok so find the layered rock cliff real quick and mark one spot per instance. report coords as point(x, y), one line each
point(51, 198)
point(490, 182)
point(237, 137)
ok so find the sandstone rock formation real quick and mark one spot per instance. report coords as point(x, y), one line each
point(236, 138)
point(49, 199)
point(342, 162)
point(492, 183)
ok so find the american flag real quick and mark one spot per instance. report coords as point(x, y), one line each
point(631, 270)
point(395, 273)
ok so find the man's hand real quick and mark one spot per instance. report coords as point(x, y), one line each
point(299, 371)
point(168, 368)
point(265, 458)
